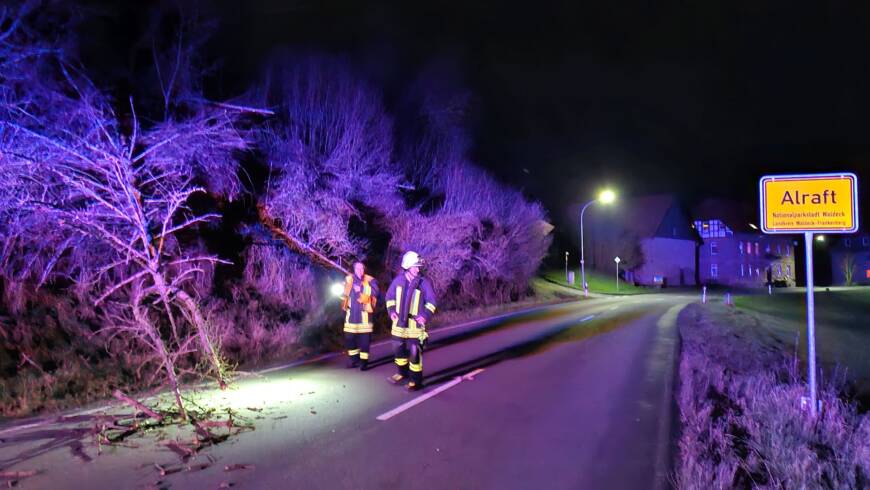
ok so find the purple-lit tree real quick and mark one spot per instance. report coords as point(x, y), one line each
point(94, 198)
point(482, 240)
point(329, 148)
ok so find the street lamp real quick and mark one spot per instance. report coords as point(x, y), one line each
point(606, 196)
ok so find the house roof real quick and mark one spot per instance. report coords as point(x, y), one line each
point(735, 215)
point(643, 215)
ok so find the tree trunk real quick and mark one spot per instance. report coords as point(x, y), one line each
point(205, 343)
point(165, 358)
point(294, 244)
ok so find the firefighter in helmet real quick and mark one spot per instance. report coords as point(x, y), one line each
point(411, 304)
point(358, 301)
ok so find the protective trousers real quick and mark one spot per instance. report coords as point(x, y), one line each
point(357, 345)
point(409, 358)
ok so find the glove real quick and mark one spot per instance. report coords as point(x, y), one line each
point(423, 337)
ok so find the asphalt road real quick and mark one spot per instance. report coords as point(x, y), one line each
point(573, 396)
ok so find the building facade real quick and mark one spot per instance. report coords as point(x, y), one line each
point(850, 260)
point(743, 258)
point(667, 241)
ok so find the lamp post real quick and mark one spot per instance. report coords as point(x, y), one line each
point(606, 197)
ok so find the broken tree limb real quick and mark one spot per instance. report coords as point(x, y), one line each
point(293, 244)
point(183, 452)
point(137, 405)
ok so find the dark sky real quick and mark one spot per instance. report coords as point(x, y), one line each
point(692, 97)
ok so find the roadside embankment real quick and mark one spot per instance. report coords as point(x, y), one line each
point(742, 425)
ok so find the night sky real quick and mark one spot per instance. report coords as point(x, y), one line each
point(696, 98)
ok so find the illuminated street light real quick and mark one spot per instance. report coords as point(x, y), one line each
point(820, 238)
point(753, 226)
point(337, 289)
point(606, 196)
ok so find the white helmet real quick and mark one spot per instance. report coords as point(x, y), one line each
point(411, 259)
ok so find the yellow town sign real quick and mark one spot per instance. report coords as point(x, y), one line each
point(809, 203)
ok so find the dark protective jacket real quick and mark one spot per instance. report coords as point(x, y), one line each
point(409, 300)
point(359, 305)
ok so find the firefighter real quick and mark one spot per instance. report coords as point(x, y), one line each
point(411, 304)
point(358, 301)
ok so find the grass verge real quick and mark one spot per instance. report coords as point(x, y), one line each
point(842, 333)
point(741, 421)
point(598, 283)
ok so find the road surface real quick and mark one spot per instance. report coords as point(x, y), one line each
point(572, 396)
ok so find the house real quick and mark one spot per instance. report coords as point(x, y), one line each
point(850, 259)
point(653, 236)
point(735, 252)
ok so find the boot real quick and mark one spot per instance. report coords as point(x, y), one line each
point(352, 362)
point(414, 386)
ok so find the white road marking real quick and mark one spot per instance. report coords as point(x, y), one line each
point(433, 332)
point(422, 398)
point(455, 381)
point(22, 427)
point(323, 357)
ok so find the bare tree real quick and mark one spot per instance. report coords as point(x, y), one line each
point(848, 267)
point(482, 240)
point(88, 200)
point(330, 149)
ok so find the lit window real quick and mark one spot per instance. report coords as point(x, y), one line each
point(779, 270)
point(787, 270)
point(847, 242)
point(714, 271)
point(756, 248)
point(740, 248)
point(868, 273)
point(714, 248)
point(748, 248)
point(778, 249)
point(767, 248)
point(787, 249)
point(741, 270)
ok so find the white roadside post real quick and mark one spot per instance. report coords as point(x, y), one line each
point(808, 204)
point(566, 266)
point(617, 259)
point(704, 295)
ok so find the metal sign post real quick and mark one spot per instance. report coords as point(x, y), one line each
point(808, 204)
point(811, 323)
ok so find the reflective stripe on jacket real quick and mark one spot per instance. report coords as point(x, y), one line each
point(409, 300)
point(359, 305)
